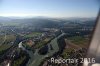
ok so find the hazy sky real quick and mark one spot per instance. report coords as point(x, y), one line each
point(50, 8)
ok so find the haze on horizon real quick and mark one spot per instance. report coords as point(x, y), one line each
point(49, 8)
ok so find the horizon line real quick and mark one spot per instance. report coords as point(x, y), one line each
point(47, 16)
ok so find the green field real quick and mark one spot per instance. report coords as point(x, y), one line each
point(6, 39)
point(43, 42)
point(2, 38)
point(5, 42)
point(10, 38)
point(77, 40)
point(32, 34)
point(3, 48)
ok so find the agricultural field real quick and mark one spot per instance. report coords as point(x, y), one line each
point(9, 39)
point(5, 42)
point(2, 38)
point(32, 34)
point(4, 47)
point(79, 40)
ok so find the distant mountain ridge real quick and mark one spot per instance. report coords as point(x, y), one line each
point(43, 21)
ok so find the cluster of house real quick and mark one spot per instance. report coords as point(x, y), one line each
point(41, 37)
